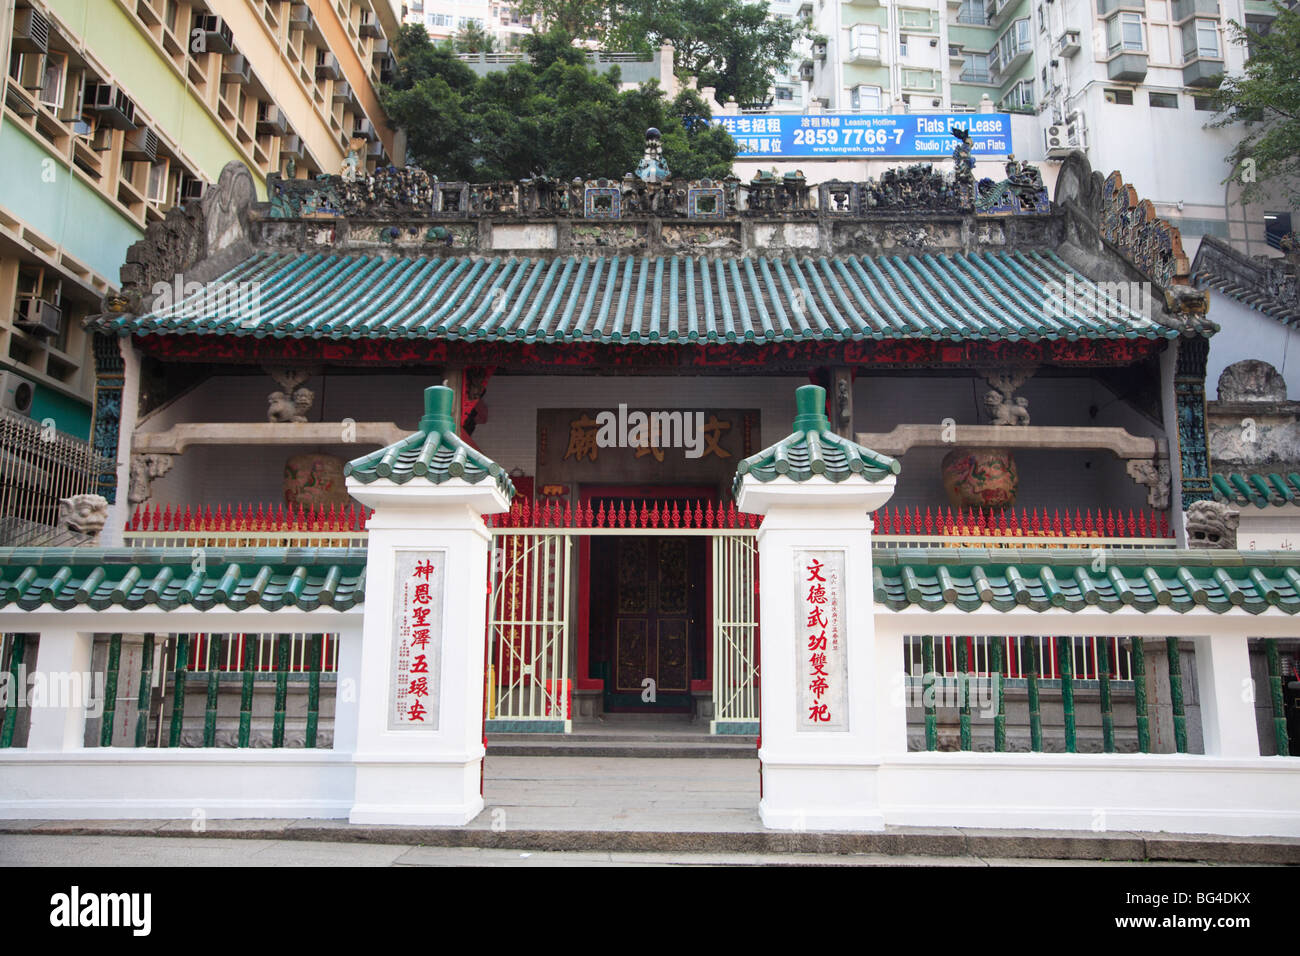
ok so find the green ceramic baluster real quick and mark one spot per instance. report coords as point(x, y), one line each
point(999, 675)
point(246, 693)
point(1139, 658)
point(1176, 694)
point(146, 693)
point(281, 688)
point(1275, 694)
point(178, 689)
point(927, 691)
point(1035, 709)
point(313, 688)
point(215, 646)
point(1103, 678)
point(110, 690)
point(963, 688)
point(17, 645)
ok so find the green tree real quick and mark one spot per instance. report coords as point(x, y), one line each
point(576, 19)
point(731, 45)
point(472, 38)
point(552, 115)
point(1266, 101)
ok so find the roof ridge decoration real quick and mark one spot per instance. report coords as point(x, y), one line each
point(1270, 285)
point(813, 450)
point(434, 453)
point(1129, 224)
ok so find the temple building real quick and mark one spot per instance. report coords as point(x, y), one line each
point(1020, 379)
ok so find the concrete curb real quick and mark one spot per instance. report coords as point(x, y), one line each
point(998, 844)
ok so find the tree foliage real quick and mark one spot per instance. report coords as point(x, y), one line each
point(727, 44)
point(473, 38)
point(1266, 101)
point(551, 116)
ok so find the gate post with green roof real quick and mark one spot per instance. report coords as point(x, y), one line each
point(419, 744)
point(829, 689)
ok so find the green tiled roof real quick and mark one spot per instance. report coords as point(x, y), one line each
point(1258, 490)
point(1039, 580)
point(813, 449)
point(165, 578)
point(629, 299)
point(435, 452)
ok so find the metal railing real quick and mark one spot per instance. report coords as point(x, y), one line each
point(39, 466)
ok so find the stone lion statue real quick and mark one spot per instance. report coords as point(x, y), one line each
point(285, 407)
point(84, 514)
point(1212, 524)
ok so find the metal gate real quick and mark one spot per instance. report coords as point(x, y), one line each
point(528, 631)
point(735, 634)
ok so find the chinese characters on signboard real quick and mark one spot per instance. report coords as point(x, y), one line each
point(417, 639)
point(820, 642)
point(862, 135)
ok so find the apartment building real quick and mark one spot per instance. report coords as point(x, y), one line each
point(443, 19)
point(117, 110)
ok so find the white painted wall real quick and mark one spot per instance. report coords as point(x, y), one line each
point(1248, 334)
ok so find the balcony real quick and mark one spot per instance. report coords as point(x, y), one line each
point(1187, 9)
point(1127, 68)
point(1204, 73)
point(864, 53)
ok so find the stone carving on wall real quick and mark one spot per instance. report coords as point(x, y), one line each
point(1155, 475)
point(1021, 192)
point(110, 379)
point(1251, 380)
point(225, 207)
point(294, 400)
point(144, 469)
point(84, 514)
point(1004, 406)
point(1212, 524)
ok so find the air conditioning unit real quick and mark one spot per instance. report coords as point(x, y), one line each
point(327, 66)
point(300, 17)
point(374, 150)
point(16, 394)
point(369, 26)
point(379, 50)
point(101, 139)
point(270, 120)
point(342, 91)
point(140, 146)
point(31, 32)
point(1068, 43)
point(366, 129)
point(236, 69)
point(1061, 139)
point(35, 315)
point(215, 33)
point(291, 145)
point(189, 188)
point(110, 104)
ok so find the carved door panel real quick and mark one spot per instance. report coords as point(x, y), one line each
point(653, 623)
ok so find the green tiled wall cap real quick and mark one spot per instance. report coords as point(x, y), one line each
point(810, 409)
point(439, 404)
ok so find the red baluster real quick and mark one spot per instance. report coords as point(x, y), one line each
point(1164, 525)
point(1088, 526)
point(1142, 523)
point(676, 516)
point(1013, 524)
point(699, 515)
point(622, 515)
point(1110, 523)
point(600, 515)
point(709, 516)
point(645, 514)
point(731, 514)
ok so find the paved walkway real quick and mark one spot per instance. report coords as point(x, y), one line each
point(601, 811)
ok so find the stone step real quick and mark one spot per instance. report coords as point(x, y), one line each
point(621, 745)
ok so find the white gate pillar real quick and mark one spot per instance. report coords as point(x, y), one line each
point(1227, 695)
point(61, 690)
point(830, 707)
point(419, 741)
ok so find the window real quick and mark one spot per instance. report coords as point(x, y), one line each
point(1020, 96)
point(157, 188)
point(864, 41)
point(902, 45)
point(1201, 39)
point(1205, 103)
point(977, 68)
point(972, 11)
point(1013, 43)
point(919, 79)
point(52, 88)
point(1120, 97)
point(1276, 225)
point(915, 19)
point(865, 99)
point(784, 93)
point(1165, 101)
point(1124, 32)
